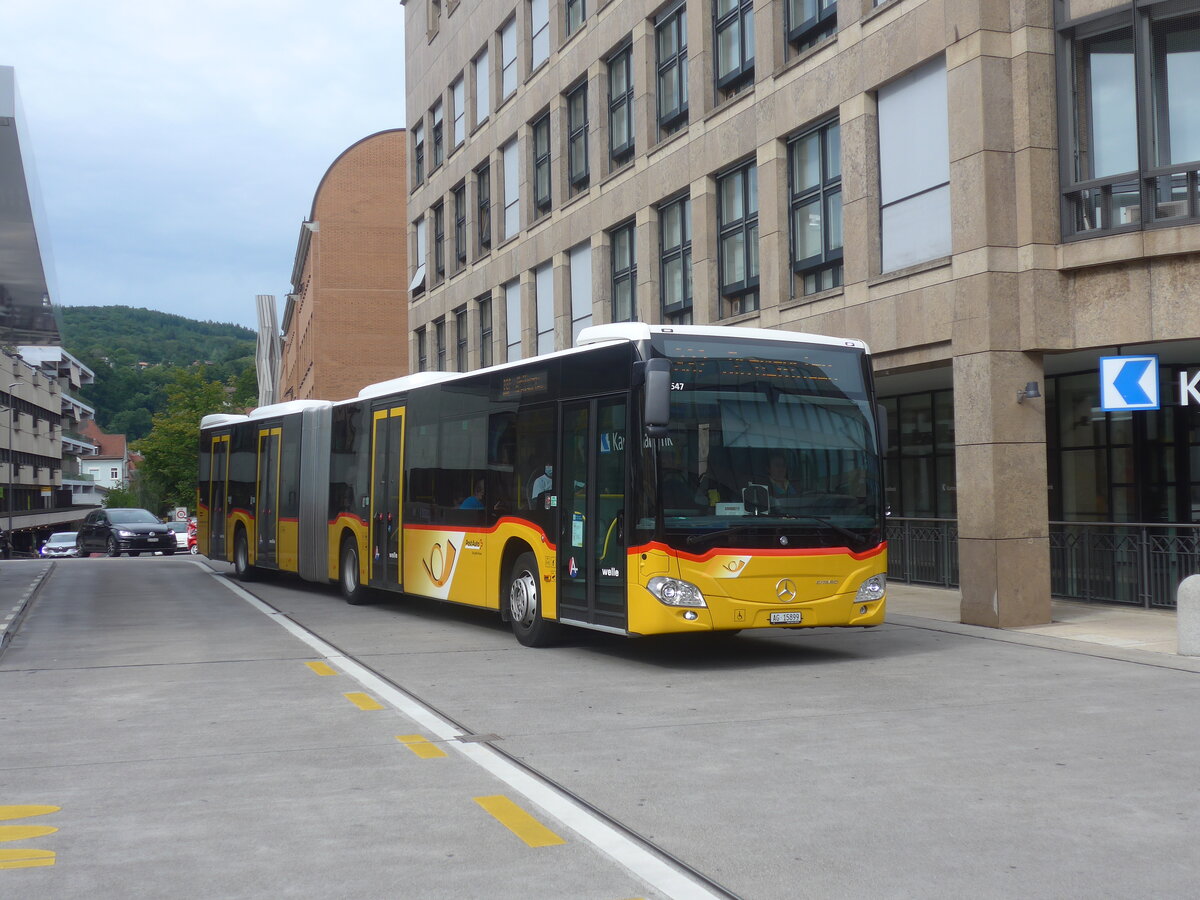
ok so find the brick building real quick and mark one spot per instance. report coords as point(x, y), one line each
point(980, 189)
point(345, 324)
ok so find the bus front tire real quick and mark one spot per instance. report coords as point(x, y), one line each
point(525, 605)
point(352, 588)
point(242, 569)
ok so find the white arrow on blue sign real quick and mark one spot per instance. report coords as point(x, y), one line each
point(1128, 382)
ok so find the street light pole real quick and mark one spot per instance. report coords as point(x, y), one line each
point(12, 453)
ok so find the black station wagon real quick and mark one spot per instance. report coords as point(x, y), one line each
point(117, 531)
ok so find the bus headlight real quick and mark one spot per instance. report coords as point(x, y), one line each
point(872, 589)
point(675, 592)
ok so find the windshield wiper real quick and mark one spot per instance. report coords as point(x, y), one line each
point(738, 529)
point(844, 532)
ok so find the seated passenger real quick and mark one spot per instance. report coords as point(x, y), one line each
point(475, 501)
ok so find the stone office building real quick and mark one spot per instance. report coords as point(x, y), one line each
point(994, 195)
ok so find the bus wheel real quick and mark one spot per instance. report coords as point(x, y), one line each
point(525, 605)
point(241, 558)
point(352, 589)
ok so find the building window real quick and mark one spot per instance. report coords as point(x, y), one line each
point(737, 217)
point(624, 274)
point(483, 86)
point(541, 163)
point(1132, 84)
point(439, 241)
point(508, 59)
point(114, 473)
point(577, 137)
point(418, 133)
point(579, 260)
point(734, 23)
point(810, 21)
point(815, 189)
point(422, 351)
point(670, 35)
point(620, 106)
point(458, 99)
point(675, 260)
point(460, 339)
point(576, 13)
point(439, 149)
point(512, 190)
point(914, 168)
point(539, 30)
point(439, 342)
point(460, 226)
point(543, 286)
point(512, 315)
point(417, 286)
point(485, 330)
point(483, 195)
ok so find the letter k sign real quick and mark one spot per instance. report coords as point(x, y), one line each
point(1188, 388)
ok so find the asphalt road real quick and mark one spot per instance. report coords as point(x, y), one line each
point(192, 751)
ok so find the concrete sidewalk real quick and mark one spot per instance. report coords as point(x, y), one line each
point(1126, 628)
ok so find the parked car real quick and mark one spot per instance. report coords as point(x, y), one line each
point(185, 536)
point(61, 543)
point(117, 531)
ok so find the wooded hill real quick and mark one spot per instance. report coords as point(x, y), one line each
point(135, 353)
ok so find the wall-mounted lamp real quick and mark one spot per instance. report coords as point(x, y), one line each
point(1029, 392)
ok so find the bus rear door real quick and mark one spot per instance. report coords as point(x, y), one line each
point(266, 515)
point(218, 496)
point(387, 471)
point(591, 549)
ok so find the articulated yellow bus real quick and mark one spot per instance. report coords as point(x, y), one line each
point(653, 479)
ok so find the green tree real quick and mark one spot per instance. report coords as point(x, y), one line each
point(170, 450)
point(122, 498)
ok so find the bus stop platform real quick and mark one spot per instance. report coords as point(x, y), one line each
point(1118, 627)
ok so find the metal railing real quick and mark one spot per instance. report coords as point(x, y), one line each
point(1132, 563)
point(1129, 563)
point(923, 551)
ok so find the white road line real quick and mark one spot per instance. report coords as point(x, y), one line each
point(596, 831)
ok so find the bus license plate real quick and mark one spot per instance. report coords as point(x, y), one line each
point(786, 618)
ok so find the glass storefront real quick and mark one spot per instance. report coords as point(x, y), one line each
point(920, 460)
point(1140, 466)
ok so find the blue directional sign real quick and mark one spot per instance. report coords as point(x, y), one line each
point(1128, 382)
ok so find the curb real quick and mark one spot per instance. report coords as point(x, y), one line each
point(12, 621)
point(1048, 642)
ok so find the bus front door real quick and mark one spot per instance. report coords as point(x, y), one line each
point(387, 469)
point(218, 494)
point(266, 513)
point(591, 559)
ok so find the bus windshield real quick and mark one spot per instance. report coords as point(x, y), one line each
point(769, 444)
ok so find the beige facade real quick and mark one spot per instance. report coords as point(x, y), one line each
point(972, 254)
point(345, 324)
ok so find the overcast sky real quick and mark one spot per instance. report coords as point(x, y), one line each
point(179, 143)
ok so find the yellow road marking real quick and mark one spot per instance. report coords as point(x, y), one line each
point(322, 668)
point(420, 746)
point(24, 832)
point(24, 812)
point(364, 701)
point(519, 822)
point(25, 859)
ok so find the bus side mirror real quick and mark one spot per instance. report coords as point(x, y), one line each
point(657, 410)
point(881, 425)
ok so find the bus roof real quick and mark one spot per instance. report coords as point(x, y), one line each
point(287, 408)
point(217, 419)
point(642, 331)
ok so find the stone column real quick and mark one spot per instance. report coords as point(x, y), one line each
point(1004, 555)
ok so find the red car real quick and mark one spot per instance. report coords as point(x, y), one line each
point(185, 536)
